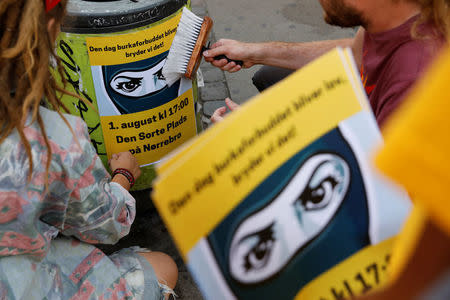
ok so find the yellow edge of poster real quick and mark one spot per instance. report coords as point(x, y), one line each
point(354, 276)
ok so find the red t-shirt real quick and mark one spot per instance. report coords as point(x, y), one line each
point(392, 62)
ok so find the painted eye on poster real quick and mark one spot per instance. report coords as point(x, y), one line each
point(260, 248)
point(134, 87)
point(139, 83)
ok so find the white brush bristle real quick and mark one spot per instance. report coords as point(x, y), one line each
point(182, 46)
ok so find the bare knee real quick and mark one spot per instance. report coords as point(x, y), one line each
point(164, 266)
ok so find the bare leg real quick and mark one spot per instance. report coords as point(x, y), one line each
point(164, 266)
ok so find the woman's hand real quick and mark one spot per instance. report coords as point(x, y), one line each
point(219, 113)
point(124, 160)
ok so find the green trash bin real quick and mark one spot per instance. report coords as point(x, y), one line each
point(113, 53)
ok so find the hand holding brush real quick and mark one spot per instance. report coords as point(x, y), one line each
point(187, 47)
point(242, 51)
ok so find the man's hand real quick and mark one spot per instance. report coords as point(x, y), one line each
point(219, 113)
point(233, 50)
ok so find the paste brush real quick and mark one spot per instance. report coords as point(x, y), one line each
point(187, 47)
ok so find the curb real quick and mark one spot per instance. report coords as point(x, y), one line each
point(215, 89)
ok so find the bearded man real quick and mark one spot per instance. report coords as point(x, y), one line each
point(395, 42)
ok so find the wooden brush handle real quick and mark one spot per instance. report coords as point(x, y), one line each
point(196, 56)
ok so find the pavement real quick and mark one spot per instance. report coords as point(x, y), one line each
point(249, 20)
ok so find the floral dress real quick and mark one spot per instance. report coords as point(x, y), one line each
point(81, 205)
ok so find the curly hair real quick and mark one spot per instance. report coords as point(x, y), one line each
point(26, 47)
point(436, 12)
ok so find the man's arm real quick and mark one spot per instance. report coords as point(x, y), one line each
point(295, 55)
point(278, 54)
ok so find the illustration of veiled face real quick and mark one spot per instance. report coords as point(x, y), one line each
point(265, 241)
point(141, 83)
point(308, 215)
point(138, 86)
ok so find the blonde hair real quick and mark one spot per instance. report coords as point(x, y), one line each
point(435, 12)
point(25, 78)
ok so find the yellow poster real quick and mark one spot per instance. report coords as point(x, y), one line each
point(243, 156)
point(282, 191)
point(151, 134)
point(138, 111)
point(364, 271)
point(131, 47)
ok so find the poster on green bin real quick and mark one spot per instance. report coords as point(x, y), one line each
point(127, 104)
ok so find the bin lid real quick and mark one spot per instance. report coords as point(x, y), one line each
point(97, 16)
